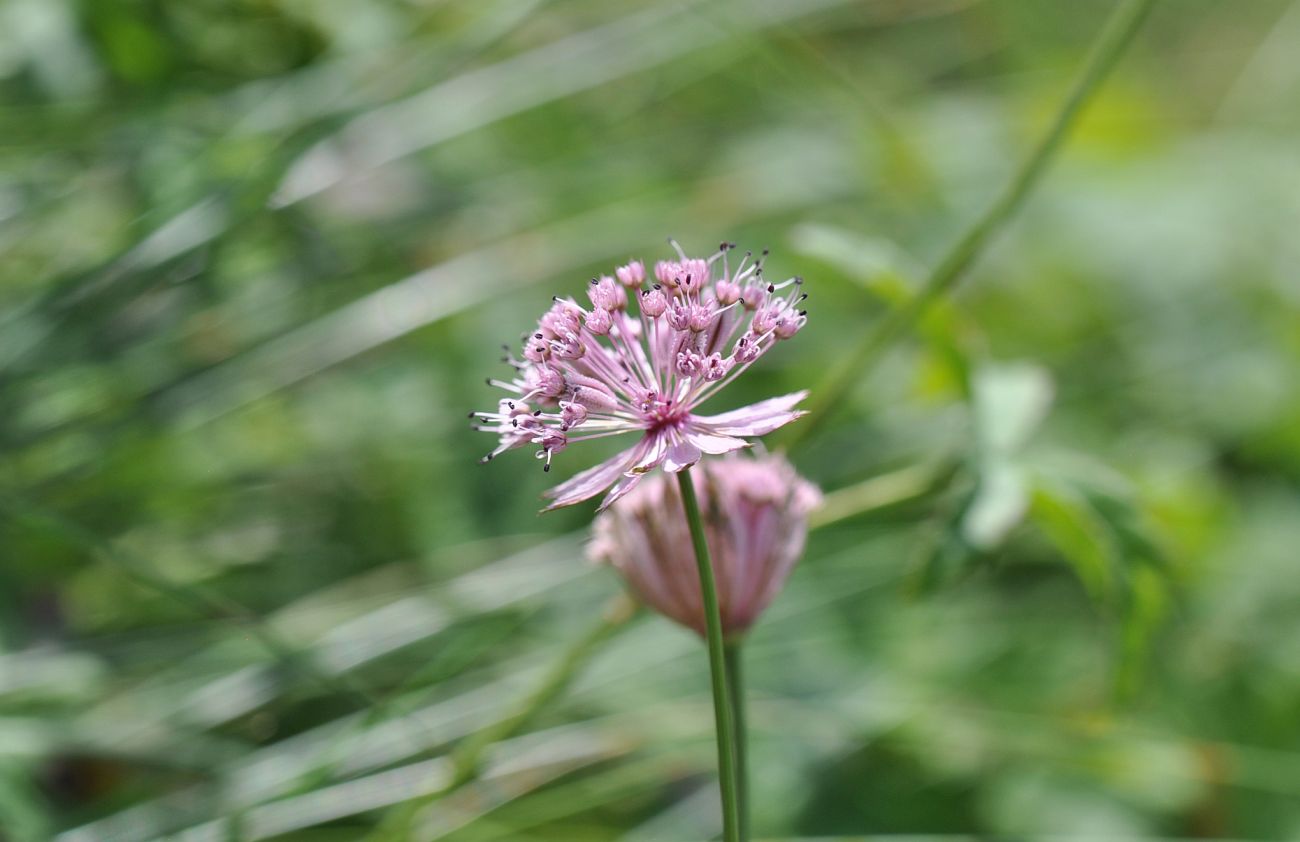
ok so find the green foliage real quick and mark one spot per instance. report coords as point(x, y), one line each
point(257, 258)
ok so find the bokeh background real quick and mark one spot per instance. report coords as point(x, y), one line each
point(258, 256)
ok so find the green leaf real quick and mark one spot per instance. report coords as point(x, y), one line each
point(1081, 535)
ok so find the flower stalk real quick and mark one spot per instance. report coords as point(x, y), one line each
point(722, 705)
point(736, 691)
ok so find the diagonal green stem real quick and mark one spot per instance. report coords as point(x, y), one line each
point(1116, 35)
point(717, 661)
point(736, 688)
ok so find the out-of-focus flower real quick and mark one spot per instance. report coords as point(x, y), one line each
point(602, 370)
point(755, 513)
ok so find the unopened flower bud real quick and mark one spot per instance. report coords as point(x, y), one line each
point(572, 414)
point(689, 364)
point(546, 381)
point(599, 321)
point(654, 302)
point(756, 523)
point(632, 275)
point(679, 315)
point(606, 294)
point(789, 324)
point(747, 349)
point(715, 367)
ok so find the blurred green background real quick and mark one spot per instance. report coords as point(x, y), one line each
point(257, 257)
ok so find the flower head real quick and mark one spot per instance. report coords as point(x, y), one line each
point(755, 519)
point(640, 357)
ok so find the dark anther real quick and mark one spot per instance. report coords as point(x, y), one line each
point(771, 287)
point(537, 413)
point(798, 280)
point(803, 312)
point(546, 469)
point(537, 336)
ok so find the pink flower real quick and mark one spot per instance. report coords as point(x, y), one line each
point(591, 372)
point(755, 518)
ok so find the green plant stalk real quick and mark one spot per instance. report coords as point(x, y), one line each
point(467, 758)
point(1114, 39)
point(469, 755)
point(736, 689)
point(874, 493)
point(717, 662)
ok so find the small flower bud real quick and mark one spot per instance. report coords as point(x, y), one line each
point(554, 441)
point(545, 381)
point(727, 292)
point(679, 315)
point(562, 318)
point(689, 364)
point(654, 303)
point(572, 414)
point(765, 320)
point(756, 528)
point(513, 408)
point(715, 367)
point(789, 324)
point(606, 294)
point(701, 316)
point(535, 349)
point(747, 349)
point(599, 321)
point(632, 275)
point(666, 273)
point(568, 347)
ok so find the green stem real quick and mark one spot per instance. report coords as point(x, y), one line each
point(736, 687)
point(467, 759)
point(1116, 35)
point(717, 661)
point(469, 755)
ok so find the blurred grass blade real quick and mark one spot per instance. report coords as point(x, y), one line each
point(479, 97)
point(1116, 34)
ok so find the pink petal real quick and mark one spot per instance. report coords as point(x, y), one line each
point(592, 481)
point(625, 484)
point(681, 456)
point(714, 445)
point(754, 420)
point(651, 453)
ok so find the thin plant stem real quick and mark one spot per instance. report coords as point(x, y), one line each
point(717, 661)
point(467, 759)
point(1116, 35)
point(468, 756)
point(736, 687)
